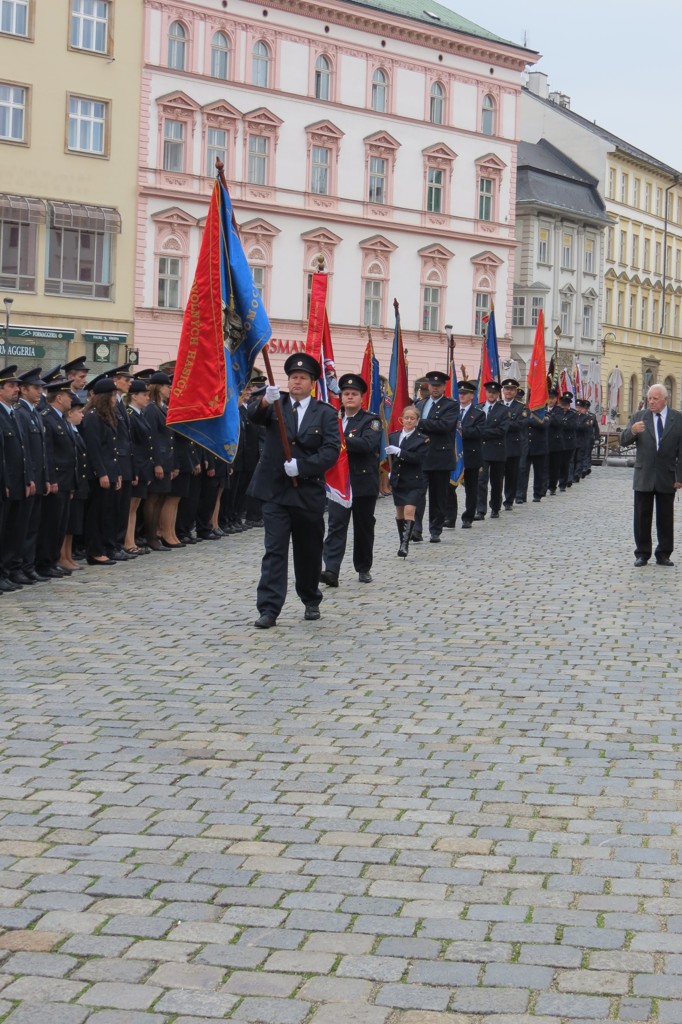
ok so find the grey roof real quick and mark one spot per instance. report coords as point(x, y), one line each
point(548, 178)
point(603, 133)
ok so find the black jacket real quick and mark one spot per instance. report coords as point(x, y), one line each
point(439, 426)
point(33, 429)
point(82, 469)
point(162, 437)
point(101, 441)
point(472, 436)
point(570, 429)
point(407, 471)
point(516, 427)
point(538, 434)
point(61, 450)
point(363, 441)
point(18, 470)
point(125, 446)
point(555, 417)
point(141, 445)
point(494, 432)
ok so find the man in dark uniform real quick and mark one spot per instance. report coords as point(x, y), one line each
point(30, 393)
point(471, 422)
point(524, 462)
point(47, 378)
point(588, 434)
point(514, 439)
point(555, 443)
point(293, 490)
point(570, 441)
point(62, 459)
point(494, 452)
point(362, 432)
point(538, 453)
point(76, 372)
point(18, 482)
point(123, 378)
point(438, 422)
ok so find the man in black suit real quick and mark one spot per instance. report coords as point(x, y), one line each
point(30, 393)
point(62, 457)
point(494, 452)
point(471, 422)
point(438, 422)
point(293, 489)
point(123, 378)
point(362, 433)
point(515, 441)
point(555, 439)
point(18, 483)
point(570, 418)
point(657, 433)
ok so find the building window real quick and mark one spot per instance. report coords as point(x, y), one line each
point(623, 188)
point(220, 55)
point(622, 247)
point(79, 256)
point(519, 311)
point(90, 25)
point(177, 46)
point(654, 315)
point(566, 317)
point(260, 64)
point(537, 303)
point(612, 183)
point(485, 198)
point(169, 282)
point(567, 251)
point(635, 250)
point(647, 255)
point(87, 126)
point(607, 304)
point(632, 311)
point(635, 192)
point(13, 113)
point(589, 256)
point(647, 197)
point(610, 243)
point(173, 145)
point(437, 103)
point(378, 174)
point(633, 395)
point(258, 160)
point(488, 116)
point(14, 17)
point(659, 197)
point(323, 78)
point(434, 190)
point(216, 149)
point(678, 258)
point(379, 91)
point(373, 303)
point(17, 254)
point(657, 258)
point(431, 309)
point(619, 308)
point(319, 170)
point(676, 329)
point(644, 313)
point(588, 321)
point(543, 245)
point(258, 274)
point(482, 312)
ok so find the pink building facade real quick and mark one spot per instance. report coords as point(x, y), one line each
point(384, 142)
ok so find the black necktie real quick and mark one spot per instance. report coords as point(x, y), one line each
point(659, 427)
point(296, 407)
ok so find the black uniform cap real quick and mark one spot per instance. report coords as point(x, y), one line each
point(469, 386)
point(76, 366)
point(31, 377)
point(104, 386)
point(120, 371)
point(159, 377)
point(138, 387)
point(8, 375)
point(54, 386)
point(76, 402)
point(436, 377)
point(582, 403)
point(144, 374)
point(53, 374)
point(553, 392)
point(566, 397)
point(301, 362)
point(492, 385)
point(90, 386)
point(509, 382)
point(354, 381)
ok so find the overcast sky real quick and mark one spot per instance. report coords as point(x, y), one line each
point(619, 62)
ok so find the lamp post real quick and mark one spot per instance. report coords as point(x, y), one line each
point(451, 347)
point(8, 309)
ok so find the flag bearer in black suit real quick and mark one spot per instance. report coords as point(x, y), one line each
point(30, 393)
point(408, 449)
point(494, 452)
point(555, 442)
point(19, 485)
point(571, 425)
point(471, 423)
point(515, 441)
point(290, 512)
point(438, 422)
point(362, 431)
point(61, 458)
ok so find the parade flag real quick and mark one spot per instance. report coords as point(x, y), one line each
point(537, 371)
point(578, 376)
point(566, 385)
point(553, 371)
point(397, 391)
point(224, 328)
point(491, 348)
point(371, 400)
point(452, 391)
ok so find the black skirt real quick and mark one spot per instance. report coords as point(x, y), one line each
point(162, 486)
point(410, 494)
point(140, 490)
point(76, 516)
point(180, 485)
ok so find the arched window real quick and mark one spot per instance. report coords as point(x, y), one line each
point(633, 397)
point(488, 115)
point(670, 384)
point(380, 91)
point(220, 55)
point(437, 103)
point(323, 78)
point(177, 46)
point(260, 64)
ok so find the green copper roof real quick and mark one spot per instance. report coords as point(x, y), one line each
point(434, 14)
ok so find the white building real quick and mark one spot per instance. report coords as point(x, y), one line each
point(380, 136)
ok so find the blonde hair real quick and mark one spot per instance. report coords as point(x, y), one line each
point(412, 408)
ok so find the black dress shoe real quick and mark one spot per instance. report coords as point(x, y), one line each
point(450, 524)
point(312, 612)
point(6, 587)
point(206, 535)
point(494, 515)
point(508, 508)
point(434, 538)
point(664, 561)
point(50, 574)
point(639, 562)
point(537, 499)
point(552, 493)
point(21, 579)
point(365, 577)
point(479, 517)
point(416, 538)
point(265, 621)
point(520, 501)
point(466, 525)
point(168, 545)
point(96, 561)
point(156, 545)
point(61, 571)
point(330, 578)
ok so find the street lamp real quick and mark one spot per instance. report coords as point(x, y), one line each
point(451, 347)
point(8, 309)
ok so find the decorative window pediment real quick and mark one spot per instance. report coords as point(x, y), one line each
point(439, 151)
point(382, 141)
point(435, 251)
point(321, 236)
point(174, 218)
point(262, 118)
point(486, 260)
point(221, 109)
point(259, 228)
point(325, 129)
point(177, 102)
point(567, 291)
point(490, 163)
point(378, 244)
point(610, 275)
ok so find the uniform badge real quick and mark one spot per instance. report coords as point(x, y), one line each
point(375, 424)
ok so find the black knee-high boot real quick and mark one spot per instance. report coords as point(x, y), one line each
point(405, 542)
point(400, 523)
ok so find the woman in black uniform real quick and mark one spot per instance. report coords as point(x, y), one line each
point(137, 400)
point(164, 469)
point(77, 503)
point(408, 449)
point(99, 431)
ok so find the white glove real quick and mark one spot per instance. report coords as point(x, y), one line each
point(392, 449)
point(291, 467)
point(271, 394)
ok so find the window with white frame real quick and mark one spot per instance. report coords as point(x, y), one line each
point(659, 201)
point(654, 315)
point(610, 241)
point(220, 55)
point(90, 25)
point(259, 153)
point(588, 320)
point(168, 295)
point(87, 126)
point(379, 91)
point(80, 251)
point(567, 250)
point(14, 17)
point(678, 262)
point(435, 184)
point(643, 314)
point(612, 183)
point(646, 259)
point(216, 149)
point(647, 196)
point(17, 251)
point(543, 245)
point(620, 299)
point(666, 316)
point(537, 303)
point(488, 115)
point(623, 188)
point(657, 258)
point(485, 198)
point(519, 311)
point(608, 301)
point(320, 163)
point(258, 274)
point(378, 179)
point(632, 311)
point(431, 309)
point(565, 320)
point(437, 104)
point(373, 302)
point(635, 251)
point(177, 46)
point(635, 192)
point(588, 262)
point(622, 247)
point(260, 64)
point(13, 99)
point(323, 78)
point(676, 328)
point(481, 311)
point(173, 145)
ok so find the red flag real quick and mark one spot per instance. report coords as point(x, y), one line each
point(366, 372)
point(537, 369)
point(401, 390)
point(485, 373)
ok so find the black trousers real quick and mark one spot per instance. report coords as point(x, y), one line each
point(123, 497)
point(493, 473)
point(207, 499)
point(54, 521)
point(100, 521)
point(566, 469)
point(470, 494)
point(438, 481)
point(511, 476)
point(28, 555)
point(305, 529)
point(665, 519)
point(554, 469)
point(187, 509)
point(539, 463)
point(451, 506)
point(362, 514)
point(15, 521)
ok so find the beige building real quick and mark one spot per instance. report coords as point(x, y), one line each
point(69, 106)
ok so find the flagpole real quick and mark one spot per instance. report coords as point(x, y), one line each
point(286, 447)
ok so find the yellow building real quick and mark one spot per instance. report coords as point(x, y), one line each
point(69, 112)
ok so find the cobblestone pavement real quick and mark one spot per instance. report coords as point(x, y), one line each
point(454, 800)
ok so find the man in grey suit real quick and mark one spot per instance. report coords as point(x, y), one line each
point(657, 432)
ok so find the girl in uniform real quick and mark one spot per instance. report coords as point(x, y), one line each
point(408, 483)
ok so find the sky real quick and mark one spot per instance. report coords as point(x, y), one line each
point(618, 61)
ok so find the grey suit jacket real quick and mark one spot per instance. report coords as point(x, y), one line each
point(656, 469)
